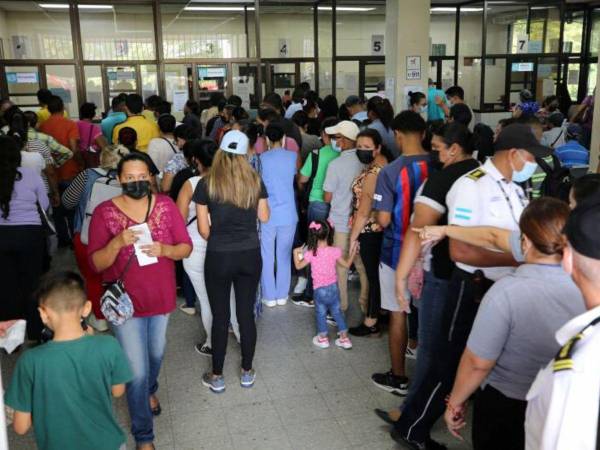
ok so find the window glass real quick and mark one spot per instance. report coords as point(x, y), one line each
point(287, 31)
point(307, 73)
point(204, 30)
point(447, 73)
point(119, 33)
point(346, 79)
point(23, 83)
point(374, 74)
point(149, 80)
point(545, 22)
point(211, 78)
point(506, 29)
point(245, 84)
point(442, 31)
point(573, 32)
point(471, 21)
point(495, 84)
point(469, 78)
point(358, 26)
point(93, 88)
point(30, 31)
point(61, 82)
point(547, 74)
point(592, 78)
point(595, 36)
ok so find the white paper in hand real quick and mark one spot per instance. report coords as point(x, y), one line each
point(14, 337)
point(144, 238)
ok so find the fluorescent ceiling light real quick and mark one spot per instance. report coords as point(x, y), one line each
point(452, 9)
point(216, 8)
point(65, 6)
point(345, 8)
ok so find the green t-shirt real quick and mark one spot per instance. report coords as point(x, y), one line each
point(326, 155)
point(66, 386)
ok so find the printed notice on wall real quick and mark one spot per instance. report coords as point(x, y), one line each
point(413, 67)
point(179, 100)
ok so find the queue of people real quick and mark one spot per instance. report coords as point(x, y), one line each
point(470, 253)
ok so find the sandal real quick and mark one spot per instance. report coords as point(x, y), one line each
point(157, 409)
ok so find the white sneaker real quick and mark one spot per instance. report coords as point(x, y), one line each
point(344, 343)
point(411, 353)
point(282, 301)
point(190, 311)
point(321, 341)
point(97, 324)
point(300, 285)
point(269, 303)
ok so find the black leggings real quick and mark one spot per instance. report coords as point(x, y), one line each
point(370, 251)
point(221, 270)
point(22, 253)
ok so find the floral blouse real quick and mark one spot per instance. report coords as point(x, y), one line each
point(357, 186)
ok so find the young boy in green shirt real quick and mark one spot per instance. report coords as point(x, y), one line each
point(64, 387)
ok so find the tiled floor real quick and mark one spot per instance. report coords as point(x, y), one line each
point(304, 397)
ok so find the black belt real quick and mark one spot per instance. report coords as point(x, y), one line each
point(481, 284)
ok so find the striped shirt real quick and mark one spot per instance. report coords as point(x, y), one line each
point(397, 185)
point(59, 152)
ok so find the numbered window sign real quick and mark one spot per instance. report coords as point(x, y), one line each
point(284, 48)
point(377, 46)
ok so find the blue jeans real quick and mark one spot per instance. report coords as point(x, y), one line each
point(276, 246)
point(316, 211)
point(328, 298)
point(143, 340)
point(431, 309)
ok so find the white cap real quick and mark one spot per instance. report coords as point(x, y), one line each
point(234, 141)
point(346, 128)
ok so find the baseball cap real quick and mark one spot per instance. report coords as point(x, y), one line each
point(234, 141)
point(581, 229)
point(353, 100)
point(346, 128)
point(520, 136)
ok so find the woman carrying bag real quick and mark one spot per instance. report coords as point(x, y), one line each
point(148, 278)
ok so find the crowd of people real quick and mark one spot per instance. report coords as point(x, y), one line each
point(475, 250)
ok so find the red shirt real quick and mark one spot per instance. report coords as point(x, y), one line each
point(152, 288)
point(63, 130)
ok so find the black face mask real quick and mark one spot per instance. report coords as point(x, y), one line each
point(136, 189)
point(365, 156)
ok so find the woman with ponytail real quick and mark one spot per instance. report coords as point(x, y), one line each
point(22, 240)
point(381, 114)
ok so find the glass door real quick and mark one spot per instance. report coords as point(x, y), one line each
point(284, 77)
point(245, 83)
point(121, 79)
point(211, 78)
point(373, 74)
point(179, 86)
point(521, 74)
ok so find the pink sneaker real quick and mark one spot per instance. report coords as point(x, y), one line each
point(321, 341)
point(344, 343)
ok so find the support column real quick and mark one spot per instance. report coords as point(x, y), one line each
point(595, 147)
point(406, 35)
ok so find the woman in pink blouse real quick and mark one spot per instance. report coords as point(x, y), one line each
point(151, 287)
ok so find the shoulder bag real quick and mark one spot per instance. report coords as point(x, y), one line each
point(115, 303)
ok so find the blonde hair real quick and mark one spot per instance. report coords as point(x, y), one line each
point(111, 155)
point(233, 180)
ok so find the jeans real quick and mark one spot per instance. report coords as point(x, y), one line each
point(143, 340)
point(498, 421)
point(276, 250)
point(342, 240)
point(22, 250)
point(316, 211)
point(194, 268)
point(327, 298)
point(370, 251)
point(431, 308)
point(242, 270)
point(427, 405)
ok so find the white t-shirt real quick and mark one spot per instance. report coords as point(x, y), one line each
point(33, 161)
point(161, 150)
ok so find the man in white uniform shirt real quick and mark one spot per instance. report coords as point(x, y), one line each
point(486, 196)
point(562, 410)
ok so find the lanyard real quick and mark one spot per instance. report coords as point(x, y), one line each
point(510, 206)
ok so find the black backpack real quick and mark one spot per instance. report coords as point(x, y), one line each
point(558, 179)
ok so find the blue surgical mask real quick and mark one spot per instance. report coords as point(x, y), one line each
point(520, 176)
point(335, 146)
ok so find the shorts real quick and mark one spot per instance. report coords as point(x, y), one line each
point(387, 283)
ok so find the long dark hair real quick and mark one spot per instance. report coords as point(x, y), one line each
point(17, 125)
point(319, 230)
point(456, 133)
point(10, 160)
point(382, 109)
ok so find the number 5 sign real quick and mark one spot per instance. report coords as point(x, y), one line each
point(377, 47)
